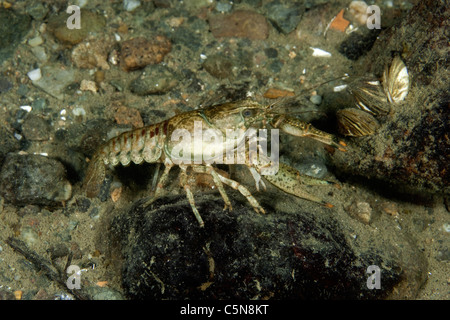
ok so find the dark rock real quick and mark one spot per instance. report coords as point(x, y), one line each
point(58, 251)
point(87, 137)
point(219, 66)
point(276, 66)
point(39, 104)
point(8, 143)
point(13, 28)
point(271, 52)
point(155, 79)
point(35, 128)
point(37, 10)
point(33, 179)
point(285, 18)
point(410, 150)
point(243, 255)
point(5, 85)
point(188, 37)
point(358, 43)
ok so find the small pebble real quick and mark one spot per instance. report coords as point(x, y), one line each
point(224, 6)
point(29, 236)
point(361, 211)
point(390, 208)
point(5, 85)
point(79, 112)
point(88, 85)
point(446, 227)
point(92, 54)
point(358, 9)
point(274, 93)
point(40, 54)
point(34, 42)
point(219, 66)
point(18, 294)
point(35, 128)
point(26, 108)
point(130, 5)
point(313, 168)
point(155, 79)
point(35, 74)
point(317, 52)
point(125, 115)
point(39, 104)
point(271, 52)
point(316, 99)
point(139, 52)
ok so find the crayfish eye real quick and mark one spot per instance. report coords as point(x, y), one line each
point(248, 113)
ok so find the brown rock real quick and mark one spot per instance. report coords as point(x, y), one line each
point(36, 128)
point(125, 115)
point(91, 22)
point(241, 24)
point(361, 211)
point(91, 54)
point(409, 153)
point(274, 93)
point(88, 85)
point(139, 52)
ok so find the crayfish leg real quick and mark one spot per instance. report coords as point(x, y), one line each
point(190, 196)
point(210, 170)
point(289, 180)
point(244, 191)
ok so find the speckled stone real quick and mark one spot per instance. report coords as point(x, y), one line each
point(34, 179)
point(139, 52)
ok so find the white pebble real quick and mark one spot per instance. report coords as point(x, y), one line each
point(446, 227)
point(320, 53)
point(81, 3)
point(26, 108)
point(79, 111)
point(359, 11)
point(34, 42)
point(35, 74)
point(130, 5)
